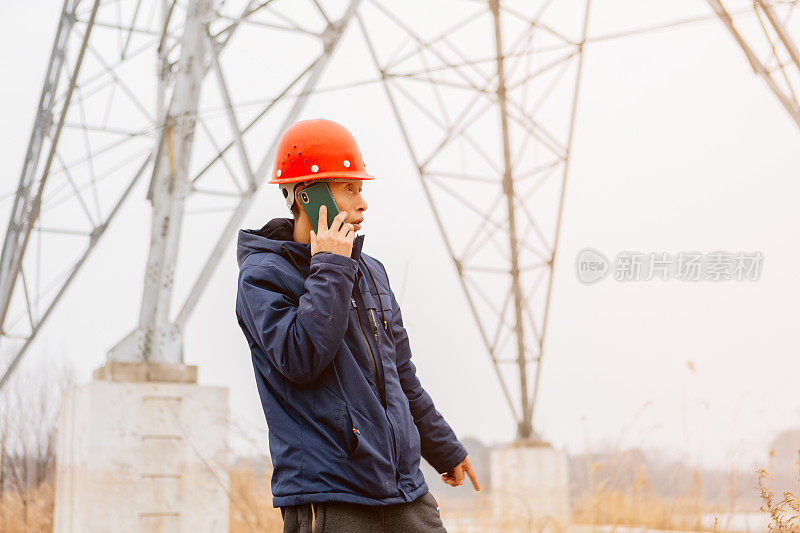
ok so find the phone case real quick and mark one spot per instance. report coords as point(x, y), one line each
point(312, 197)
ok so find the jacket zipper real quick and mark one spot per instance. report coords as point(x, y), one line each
point(369, 348)
point(377, 384)
point(374, 323)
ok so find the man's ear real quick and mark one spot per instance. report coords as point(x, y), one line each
point(297, 188)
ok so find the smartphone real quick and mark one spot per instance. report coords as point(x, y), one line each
point(312, 197)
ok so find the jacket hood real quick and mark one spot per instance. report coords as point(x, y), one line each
point(277, 236)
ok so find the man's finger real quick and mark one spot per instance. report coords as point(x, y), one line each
point(459, 473)
point(472, 476)
point(322, 223)
point(338, 221)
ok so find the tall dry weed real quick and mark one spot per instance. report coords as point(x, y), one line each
point(251, 508)
point(784, 515)
point(620, 492)
point(29, 512)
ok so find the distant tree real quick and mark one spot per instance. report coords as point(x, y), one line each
point(29, 408)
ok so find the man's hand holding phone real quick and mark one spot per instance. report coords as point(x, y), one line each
point(337, 239)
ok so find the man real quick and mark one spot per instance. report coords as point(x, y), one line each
point(348, 419)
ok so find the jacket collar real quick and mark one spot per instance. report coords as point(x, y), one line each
point(277, 236)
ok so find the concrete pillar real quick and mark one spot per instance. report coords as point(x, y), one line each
point(143, 448)
point(530, 487)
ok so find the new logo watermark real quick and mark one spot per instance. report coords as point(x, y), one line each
point(592, 266)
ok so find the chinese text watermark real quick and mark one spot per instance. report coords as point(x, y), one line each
point(592, 266)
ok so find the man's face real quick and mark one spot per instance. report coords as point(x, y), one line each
point(347, 195)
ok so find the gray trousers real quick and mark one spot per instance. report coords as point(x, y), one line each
point(418, 516)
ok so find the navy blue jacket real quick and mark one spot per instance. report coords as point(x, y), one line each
point(347, 417)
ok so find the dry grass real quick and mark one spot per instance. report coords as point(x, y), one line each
point(621, 493)
point(615, 500)
point(251, 504)
point(784, 515)
point(31, 512)
point(250, 507)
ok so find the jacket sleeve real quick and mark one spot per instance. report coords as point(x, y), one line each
point(439, 444)
point(299, 337)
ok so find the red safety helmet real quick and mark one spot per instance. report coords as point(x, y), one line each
point(316, 149)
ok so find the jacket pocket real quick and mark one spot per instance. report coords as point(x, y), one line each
point(351, 433)
point(385, 309)
point(383, 312)
point(367, 467)
point(386, 303)
point(414, 440)
point(362, 437)
point(327, 421)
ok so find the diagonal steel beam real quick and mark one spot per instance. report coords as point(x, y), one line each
point(786, 97)
point(27, 206)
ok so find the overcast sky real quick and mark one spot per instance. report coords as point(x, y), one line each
point(678, 147)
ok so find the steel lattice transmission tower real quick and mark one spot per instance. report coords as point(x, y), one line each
point(484, 93)
point(97, 133)
point(769, 46)
point(487, 110)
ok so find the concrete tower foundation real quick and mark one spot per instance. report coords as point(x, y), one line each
point(530, 487)
point(143, 448)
